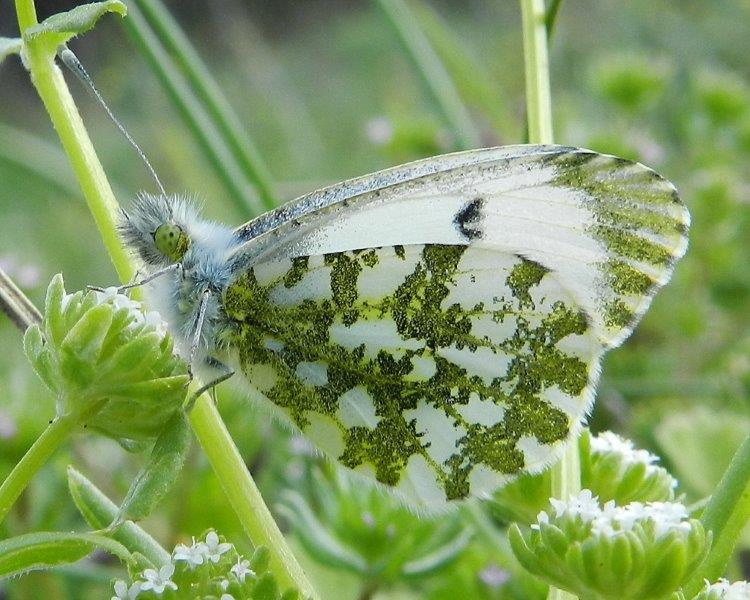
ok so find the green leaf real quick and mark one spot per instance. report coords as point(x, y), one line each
point(158, 476)
point(9, 46)
point(99, 511)
point(61, 27)
point(265, 588)
point(45, 550)
point(53, 309)
point(84, 341)
point(437, 560)
point(316, 538)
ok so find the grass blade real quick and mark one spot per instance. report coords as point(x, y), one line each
point(434, 77)
point(221, 158)
point(205, 87)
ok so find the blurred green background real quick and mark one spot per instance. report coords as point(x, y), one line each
point(325, 91)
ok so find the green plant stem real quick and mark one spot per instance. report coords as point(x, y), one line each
point(202, 82)
point(243, 494)
point(725, 516)
point(435, 79)
point(15, 483)
point(566, 474)
point(52, 89)
point(538, 100)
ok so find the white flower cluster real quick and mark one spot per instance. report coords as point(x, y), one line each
point(608, 442)
point(195, 555)
point(140, 317)
point(611, 520)
point(739, 590)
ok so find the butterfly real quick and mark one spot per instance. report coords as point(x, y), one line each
point(437, 326)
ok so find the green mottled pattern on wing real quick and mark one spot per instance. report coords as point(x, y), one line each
point(440, 370)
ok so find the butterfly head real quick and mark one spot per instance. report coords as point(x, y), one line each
point(156, 229)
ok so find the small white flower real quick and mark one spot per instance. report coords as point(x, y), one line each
point(226, 597)
point(193, 555)
point(214, 549)
point(241, 570)
point(583, 504)
point(151, 319)
point(123, 592)
point(739, 590)
point(541, 519)
point(159, 580)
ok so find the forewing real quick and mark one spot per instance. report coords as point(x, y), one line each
point(610, 229)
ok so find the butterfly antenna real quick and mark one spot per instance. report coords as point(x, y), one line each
point(71, 61)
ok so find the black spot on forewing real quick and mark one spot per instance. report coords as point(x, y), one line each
point(469, 219)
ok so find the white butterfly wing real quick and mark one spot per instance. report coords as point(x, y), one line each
point(611, 229)
point(439, 326)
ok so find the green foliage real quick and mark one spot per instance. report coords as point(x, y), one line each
point(107, 363)
point(159, 474)
point(61, 27)
point(611, 467)
point(44, 550)
point(358, 528)
point(304, 90)
point(99, 512)
point(632, 82)
point(700, 443)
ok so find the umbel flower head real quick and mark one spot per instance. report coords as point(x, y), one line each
point(210, 568)
point(638, 551)
point(108, 362)
point(611, 467)
point(619, 471)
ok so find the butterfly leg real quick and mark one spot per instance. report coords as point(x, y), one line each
point(198, 329)
point(217, 365)
point(139, 283)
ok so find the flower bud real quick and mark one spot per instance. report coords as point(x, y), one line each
point(108, 363)
point(638, 551)
point(611, 467)
point(618, 471)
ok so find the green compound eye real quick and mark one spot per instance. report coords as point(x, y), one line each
point(171, 241)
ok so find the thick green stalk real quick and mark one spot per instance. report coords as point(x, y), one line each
point(725, 516)
point(243, 494)
point(52, 89)
point(566, 474)
point(538, 99)
point(15, 483)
